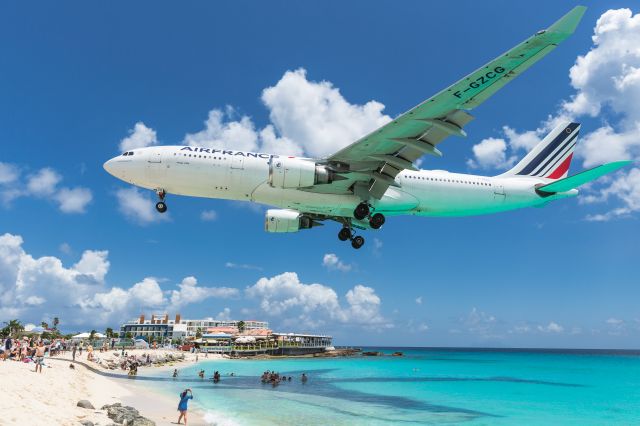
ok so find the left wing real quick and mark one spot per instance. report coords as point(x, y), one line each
point(371, 164)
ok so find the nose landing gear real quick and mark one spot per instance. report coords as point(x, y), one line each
point(161, 206)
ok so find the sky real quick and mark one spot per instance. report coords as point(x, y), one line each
point(81, 81)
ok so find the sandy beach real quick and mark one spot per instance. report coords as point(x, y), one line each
point(51, 397)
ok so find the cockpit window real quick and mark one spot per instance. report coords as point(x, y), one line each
point(128, 153)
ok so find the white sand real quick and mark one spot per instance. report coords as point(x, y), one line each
point(50, 398)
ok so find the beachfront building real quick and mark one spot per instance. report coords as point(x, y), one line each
point(161, 327)
point(250, 344)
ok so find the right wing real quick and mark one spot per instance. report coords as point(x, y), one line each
point(370, 165)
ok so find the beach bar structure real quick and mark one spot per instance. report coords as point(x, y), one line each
point(272, 344)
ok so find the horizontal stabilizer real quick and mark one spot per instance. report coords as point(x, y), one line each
point(572, 182)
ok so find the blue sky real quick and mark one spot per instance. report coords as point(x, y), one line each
point(76, 77)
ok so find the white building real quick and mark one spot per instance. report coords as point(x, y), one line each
point(160, 327)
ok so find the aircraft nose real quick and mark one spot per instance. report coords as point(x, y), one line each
point(109, 167)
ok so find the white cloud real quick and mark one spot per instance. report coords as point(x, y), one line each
point(314, 304)
point(423, 327)
point(73, 200)
point(138, 207)
point(224, 315)
point(332, 262)
point(9, 173)
point(490, 153)
point(122, 303)
point(316, 116)
point(552, 327)
point(478, 322)
point(65, 248)
point(222, 131)
point(26, 282)
point(79, 294)
point(233, 265)
point(419, 300)
point(614, 321)
point(139, 137)
point(208, 215)
point(189, 292)
point(307, 117)
point(42, 184)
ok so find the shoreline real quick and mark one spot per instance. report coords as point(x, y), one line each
point(51, 397)
point(137, 394)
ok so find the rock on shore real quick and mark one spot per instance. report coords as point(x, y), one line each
point(126, 415)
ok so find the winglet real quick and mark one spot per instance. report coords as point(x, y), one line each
point(568, 23)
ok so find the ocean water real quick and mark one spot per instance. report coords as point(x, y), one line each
point(425, 386)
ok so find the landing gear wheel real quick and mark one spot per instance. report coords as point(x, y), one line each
point(344, 234)
point(357, 242)
point(161, 207)
point(361, 211)
point(376, 221)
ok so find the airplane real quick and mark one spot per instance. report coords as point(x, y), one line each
point(375, 177)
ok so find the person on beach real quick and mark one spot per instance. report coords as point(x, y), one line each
point(40, 349)
point(304, 378)
point(7, 348)
point(73, 352)
point(175, 373)
point(183, 405)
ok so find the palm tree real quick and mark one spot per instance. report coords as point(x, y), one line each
point(56, 321)
point(44, 325)
point(92, 336)
point(240, 326)
point(109, 332)
point(198, 333)
point(14, 326)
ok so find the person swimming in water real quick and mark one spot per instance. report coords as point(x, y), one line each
point(185, 396)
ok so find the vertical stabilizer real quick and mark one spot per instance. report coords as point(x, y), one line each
point(551, 158)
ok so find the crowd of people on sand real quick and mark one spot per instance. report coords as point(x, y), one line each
point(30, 350)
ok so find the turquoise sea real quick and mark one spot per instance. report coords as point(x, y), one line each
point(425, 386)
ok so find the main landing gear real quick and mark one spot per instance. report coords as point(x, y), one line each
point(161, 206)
point(347, 234)
point(363, 211)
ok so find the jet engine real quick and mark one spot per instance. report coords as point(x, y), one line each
point(297, 173)
point(286, 221)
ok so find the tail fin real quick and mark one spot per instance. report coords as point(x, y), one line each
point(551, 158)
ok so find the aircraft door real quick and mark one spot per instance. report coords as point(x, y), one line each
point(237, 162)
point(155, 168)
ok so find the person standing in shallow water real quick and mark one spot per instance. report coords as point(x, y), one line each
point(183, 405)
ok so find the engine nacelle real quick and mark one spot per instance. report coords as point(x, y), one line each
point(286, 221)
point(296, 173)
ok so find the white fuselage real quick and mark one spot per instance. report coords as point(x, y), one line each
point(237, 175)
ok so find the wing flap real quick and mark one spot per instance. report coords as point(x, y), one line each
point(572, 182)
